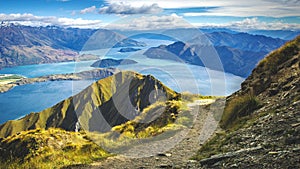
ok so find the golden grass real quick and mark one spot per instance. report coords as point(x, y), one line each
point(52, 148)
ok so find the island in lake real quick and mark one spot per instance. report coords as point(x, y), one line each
point(124, 50)
point(104, 63)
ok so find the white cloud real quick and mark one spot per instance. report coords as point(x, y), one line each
point(174, 21)
point(150, 23)
point(245, 11)
point(146, 22)
point(32, 20)
point(79, 22)
point(88, 10)
point(273, 8)
point(253, 24)
point(128, 9)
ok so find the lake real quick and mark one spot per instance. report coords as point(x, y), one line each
point(35, 97)
point(22, 100)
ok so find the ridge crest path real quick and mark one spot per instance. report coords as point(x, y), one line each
point(177, 156)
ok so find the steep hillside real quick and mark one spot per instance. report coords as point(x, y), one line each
point(261, 122)
point(21, 45)
point(106, 103)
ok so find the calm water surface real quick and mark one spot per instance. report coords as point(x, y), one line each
point(22, 100)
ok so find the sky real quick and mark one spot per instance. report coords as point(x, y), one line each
point(154, 14)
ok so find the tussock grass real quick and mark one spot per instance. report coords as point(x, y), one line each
point(280, 56)
point(237, 108)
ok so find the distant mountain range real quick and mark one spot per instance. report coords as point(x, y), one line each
point(20, 45)
point(239, 53)
point(282, 34)
point(245, 41)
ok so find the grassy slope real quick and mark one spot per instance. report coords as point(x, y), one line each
point(52, 148)
point(55, 148)
point(37, 147)
point(98, 96)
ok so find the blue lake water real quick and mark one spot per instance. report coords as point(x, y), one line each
point(35, 97)
point(48, 69)
point(22, 100)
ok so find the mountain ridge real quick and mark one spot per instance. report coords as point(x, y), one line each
point(238, 56)
point(20, 45)
point(105, 96)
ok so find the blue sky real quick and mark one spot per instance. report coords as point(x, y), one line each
point(137, 14)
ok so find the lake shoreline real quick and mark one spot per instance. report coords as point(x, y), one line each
point(98, 73)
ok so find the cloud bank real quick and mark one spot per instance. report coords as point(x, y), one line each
point(146, 22)
point(32, 20)
point(271, 8)
point(174, 21)
point(253, 24)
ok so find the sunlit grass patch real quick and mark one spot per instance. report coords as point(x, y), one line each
point(52, 148)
